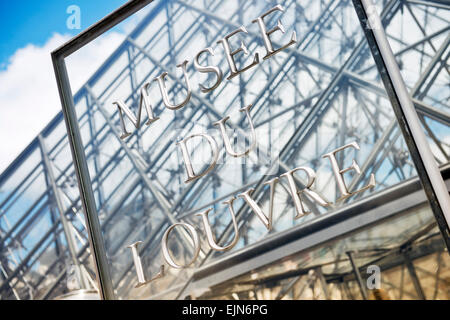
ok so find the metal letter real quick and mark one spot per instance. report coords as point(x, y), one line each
point(230, 54)
point(165, 249)
point(226, 140)
point(144, 100)
point(338, 172)
point(266, 220)
point(163, 89)
point(209, 233)
point(139, 269)
point(266, 34)
point(301, 211)
point(207, 69)
point(187, 160)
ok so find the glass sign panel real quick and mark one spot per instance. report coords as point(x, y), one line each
point(216, 125)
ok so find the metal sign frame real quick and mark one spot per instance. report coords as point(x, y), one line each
point(406, 115)
point(76, 145)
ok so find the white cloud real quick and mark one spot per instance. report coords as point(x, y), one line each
point(28, 93)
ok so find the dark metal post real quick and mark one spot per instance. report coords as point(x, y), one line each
point(323, 282)
point(413, 275)
point(84, 182)
point(404, 110)
point(82, 281)
point(357, 275)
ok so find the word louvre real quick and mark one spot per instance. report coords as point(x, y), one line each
point(266, 219)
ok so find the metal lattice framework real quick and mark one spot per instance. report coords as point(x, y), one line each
point(318, 95)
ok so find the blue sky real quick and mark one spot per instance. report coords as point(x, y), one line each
point(31, 30)
point(26, 21)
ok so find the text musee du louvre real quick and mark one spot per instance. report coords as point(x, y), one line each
point(266, 218)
